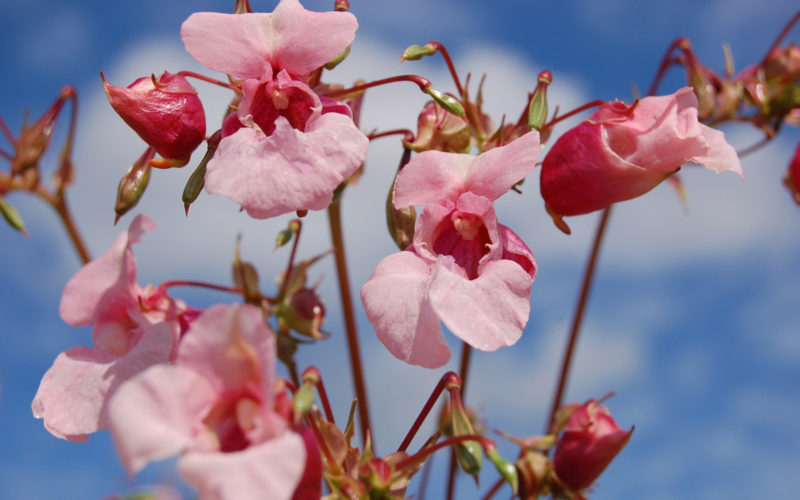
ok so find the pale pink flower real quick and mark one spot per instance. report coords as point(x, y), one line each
point(621, 152)
point(133, 328)
point(216, 407)
point(462, 267)
point(286, 148)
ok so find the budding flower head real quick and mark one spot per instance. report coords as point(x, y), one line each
point(164, 111)
point(590, 441)
point(440, 130)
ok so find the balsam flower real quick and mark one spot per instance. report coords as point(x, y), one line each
point(621, 152)
point(216, 406)
point(462, 267)
point(286, 148)
point(133, 328)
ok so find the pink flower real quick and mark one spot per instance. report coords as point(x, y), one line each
point(463, 267)
point(133, 328)
point(165, 112)
point(286, 148)
point(590, 441)
point(621, 152)
point(216, 407)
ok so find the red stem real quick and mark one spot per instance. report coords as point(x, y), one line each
point(577, 318)
point(200, 284)
point(466, 352)
point(446, 55)
point(407, 134)
point(575, 111)
point(335, 220)
point(494, 489)
point(210, 80)
point(486, 443)
point(780, 37)
point(449, 378)
point(666, 62)
point(422, 83)
point(287, 276)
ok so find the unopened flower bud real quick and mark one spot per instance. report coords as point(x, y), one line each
point(537, 111)
point(437, 129)
point(416, 52)
point(590, 441)
point(341, 5)
point(164, 111)
point(469, 453)
point(448, 102)
point(133, 183)
point(792, 179)
point(245, 277)
point(505, 468)
point(697, 74)
point(533, 470)
point(302, 401)
point(11, 216)
point(377, 474)
point(196, 181)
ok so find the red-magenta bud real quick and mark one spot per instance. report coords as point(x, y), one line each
point(164, 111)
point(792, 179)
point(590, 441)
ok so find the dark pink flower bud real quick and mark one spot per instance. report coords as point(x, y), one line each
point(164, 111)
point(590, 441)
point(623, 151)
point(792, 179)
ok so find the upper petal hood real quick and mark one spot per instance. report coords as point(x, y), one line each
point(290, 38)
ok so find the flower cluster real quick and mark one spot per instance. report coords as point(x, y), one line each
point(170, 380)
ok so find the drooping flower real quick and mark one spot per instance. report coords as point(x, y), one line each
point(463, 267)
point(133, 328)
point(165, 111)
point(216, 406)
point(621, 152)
point(589, 442)
point(286, 148)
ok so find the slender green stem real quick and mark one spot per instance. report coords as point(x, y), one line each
point(335, 220)
point(577, 318)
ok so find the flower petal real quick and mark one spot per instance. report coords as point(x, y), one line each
point(289, 170)
point(230, 345)
point(271, 469)
point(153, 415)
point(291, 38)
point(395, 299)
point(73, 394)
point(487, 312)
point(435, 176)
point(110, 276)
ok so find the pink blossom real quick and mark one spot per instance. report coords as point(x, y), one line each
point(216, 407)
point(621, 152)
point(133, 328)
point(166, 113)
point(590, 441)
point(463, 267)
point(286, 148)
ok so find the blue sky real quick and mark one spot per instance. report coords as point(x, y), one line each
point(694, 320)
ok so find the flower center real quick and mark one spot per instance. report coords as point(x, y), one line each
point(464, 237)
point(271, 101)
